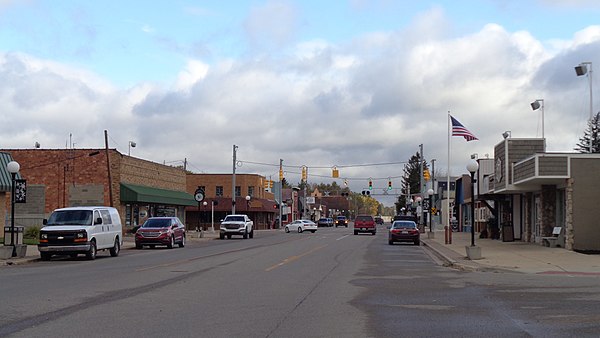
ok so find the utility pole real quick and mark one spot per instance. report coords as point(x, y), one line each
point(280, 191)
point(110, 188)
point(421, 180)
point(233, 181)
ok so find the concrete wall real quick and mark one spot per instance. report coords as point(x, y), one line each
point(585, 210)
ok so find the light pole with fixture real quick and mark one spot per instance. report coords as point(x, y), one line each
point(581, 70)
point(131, 145)
point(507, 134)
point(473, 252)
point(13, 168)
point(537, 104)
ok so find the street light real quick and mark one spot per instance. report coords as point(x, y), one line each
point(205, 204)
point(131, 145)
point(248, 203)
point(472, 168)
point(581, 70)
point(13, 168)
point(537, 104)
point(430, 193)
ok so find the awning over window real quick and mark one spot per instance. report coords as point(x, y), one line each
point(5, 177)
point(140, 194)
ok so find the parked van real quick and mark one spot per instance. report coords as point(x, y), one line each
point(81, 230)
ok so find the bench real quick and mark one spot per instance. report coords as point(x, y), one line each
point(556, 240)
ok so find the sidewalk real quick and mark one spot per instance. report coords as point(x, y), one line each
point(512, 256)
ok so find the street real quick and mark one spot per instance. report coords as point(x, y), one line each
point(327, 284)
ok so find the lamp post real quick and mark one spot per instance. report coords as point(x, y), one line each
point(420, 213)
point(537, 104)
point(430, 194)
point(472, 168)
point(212, 214)
point(248, 203)
point(131, 145)
point(13, 168)
point(580, 70)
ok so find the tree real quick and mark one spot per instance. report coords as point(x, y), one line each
point(411, 180)
point(591, 132)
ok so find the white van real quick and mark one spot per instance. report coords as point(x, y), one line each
point(81, 230)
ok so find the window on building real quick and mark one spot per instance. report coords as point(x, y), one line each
point(238, 191)
point(219, 191)
point(251, 191)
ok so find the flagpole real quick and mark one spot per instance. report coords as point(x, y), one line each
point(447, 228)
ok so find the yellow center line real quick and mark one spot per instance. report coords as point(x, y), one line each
point(293, 258)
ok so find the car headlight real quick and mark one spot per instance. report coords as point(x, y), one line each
point(43, 236)
point(80, 235)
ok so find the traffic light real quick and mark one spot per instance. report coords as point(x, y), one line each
point(426, 175)
point(280, 174)
point(270, 183)
point(390, 185)
point(266, 184)
point(275, 206)
point(304, 173)
point(370, 184)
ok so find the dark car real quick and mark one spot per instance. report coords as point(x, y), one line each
point(378, 220)
point(341, 221)
point(404, 231)
point(325, 222)
point(404, 218)
point(364, 223)
point(160, 231)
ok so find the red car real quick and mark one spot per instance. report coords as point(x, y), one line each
point(160, 231)
point(404, 231)
point(364, 223)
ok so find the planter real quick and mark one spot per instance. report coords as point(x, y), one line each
point(473, 252)
point(6, 251)
point(21, 250)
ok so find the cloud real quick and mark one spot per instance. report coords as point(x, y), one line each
point(372, 99)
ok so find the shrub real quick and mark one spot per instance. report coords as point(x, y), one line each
point(32, 232)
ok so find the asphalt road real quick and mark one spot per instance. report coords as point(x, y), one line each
point(327, 284)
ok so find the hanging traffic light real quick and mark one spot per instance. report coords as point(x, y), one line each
point(370, 184)
point(280, 175)
point(426, 175)
point(390, 185)
point(304, 173)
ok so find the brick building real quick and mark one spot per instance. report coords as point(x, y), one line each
point(261, 207)
point(59, 178)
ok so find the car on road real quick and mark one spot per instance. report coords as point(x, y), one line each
point(404, 218)
point(364, 223)
point(236, 225)
point(404, 231)
point(301, 225)
point(325, 222)
point(341, 221)
point(378, 220)
point(155, 231)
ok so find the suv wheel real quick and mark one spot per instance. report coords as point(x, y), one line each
point(182, 243)
point(245, 236)
point(252, 233)
point(171, 242)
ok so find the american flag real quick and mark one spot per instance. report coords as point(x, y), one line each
point(459, 130)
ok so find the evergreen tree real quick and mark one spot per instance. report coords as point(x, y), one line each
point(412, 179)
point(590, 133)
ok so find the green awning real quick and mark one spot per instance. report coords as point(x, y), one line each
point(5, 176)
point(141, 194)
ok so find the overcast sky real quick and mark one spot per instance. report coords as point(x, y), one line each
point(315, 83)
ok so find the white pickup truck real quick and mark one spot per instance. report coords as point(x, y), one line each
point(236, 225)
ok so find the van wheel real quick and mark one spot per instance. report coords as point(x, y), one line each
point(114, 251)
point(182, 243)
point(171, 243)
point(91, 254)
point(45, 256)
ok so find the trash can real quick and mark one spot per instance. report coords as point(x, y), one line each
point(18, 235)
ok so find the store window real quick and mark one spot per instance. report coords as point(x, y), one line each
point(219, 191)
point(238, 191)
point(251, 191)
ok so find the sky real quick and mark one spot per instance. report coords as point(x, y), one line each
point(357, 85)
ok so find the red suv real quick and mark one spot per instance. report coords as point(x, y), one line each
point(364, 223)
